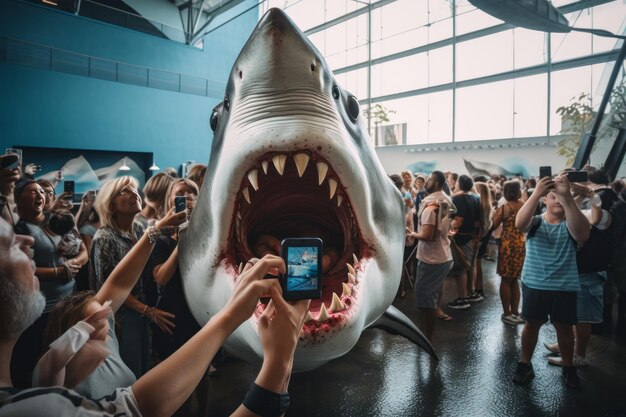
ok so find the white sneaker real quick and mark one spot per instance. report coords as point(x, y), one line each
point(518, 319)
point(552, 347)
point(578, 361)
point(510, 319)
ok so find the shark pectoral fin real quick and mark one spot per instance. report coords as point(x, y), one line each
point(396, 322)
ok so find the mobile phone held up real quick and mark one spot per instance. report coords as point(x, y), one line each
point(68, 189)
point(577, 176)
point(303, 262)
point(180, 203)
point(10, 161)
point(545, 172)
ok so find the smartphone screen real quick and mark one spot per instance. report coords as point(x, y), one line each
point(180, 203)
point(68, 188)
point(545, 172)
point(303, 261)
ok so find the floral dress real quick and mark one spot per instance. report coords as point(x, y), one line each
point(512, 247)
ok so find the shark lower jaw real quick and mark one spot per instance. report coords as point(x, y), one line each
point(299, 194)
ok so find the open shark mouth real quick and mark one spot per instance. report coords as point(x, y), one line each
point(299, 194)
point(291, 158)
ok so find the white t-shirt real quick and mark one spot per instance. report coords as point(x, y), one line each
point(436, 251)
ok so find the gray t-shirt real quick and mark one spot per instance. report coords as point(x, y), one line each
point(111, 374)
point(46, 254)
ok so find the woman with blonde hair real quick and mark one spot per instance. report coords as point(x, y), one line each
point(117, 204)
point(197, 173)
point(154, 195)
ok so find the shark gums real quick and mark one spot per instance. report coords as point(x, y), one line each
point(291, 158)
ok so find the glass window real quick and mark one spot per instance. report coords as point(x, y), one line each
point(529, 47)
point(410, 73)
point(573, 44)
point(484, 111)
point(485, 56)
point(440, 66)
point(530, 105)
point(605, 17)
point(566, 87)
point(470, 19)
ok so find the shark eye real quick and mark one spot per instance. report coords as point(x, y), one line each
point(214, 120)
point(353, 108)
point(226, 104)
point(336, 93)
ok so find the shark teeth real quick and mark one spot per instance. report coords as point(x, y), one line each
point(302, 161)
point(336, 305)
point(308, 317)
point(356, 260)
point(346, 290)
point(246, 194)
point(265, 165)
point(253, 177)
point(339, 200)
point(332, 187)
point(322, 169)
point(351, 269)
point(351, 279)
point(323, 315)
point(279, 163)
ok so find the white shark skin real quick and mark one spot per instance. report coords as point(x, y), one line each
point(279, 104)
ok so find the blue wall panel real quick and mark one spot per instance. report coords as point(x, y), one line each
point(56, 105)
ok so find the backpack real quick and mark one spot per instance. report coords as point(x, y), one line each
point(444, 210)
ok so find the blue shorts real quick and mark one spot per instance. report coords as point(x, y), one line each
point(428, 282)
point(559, 306)
point(590, 298)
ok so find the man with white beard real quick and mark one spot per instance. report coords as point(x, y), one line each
point(162, 390)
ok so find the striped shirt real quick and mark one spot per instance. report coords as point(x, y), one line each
point(550, 262)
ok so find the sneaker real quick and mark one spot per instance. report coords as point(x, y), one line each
point(570, 376)
point(510, 319)
point(578, 361)
point(474, 297)
point(459, 304)
point(553, 347)
point(524, 373)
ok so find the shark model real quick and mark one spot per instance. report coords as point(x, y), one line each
point(291, 158)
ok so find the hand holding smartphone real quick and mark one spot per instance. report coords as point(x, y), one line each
point(303, 261)
point(545, 171)
point(180, 203)
point(9, 161)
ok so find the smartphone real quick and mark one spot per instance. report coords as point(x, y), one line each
point(180, 203)
point(545, 172)
point(303, 261)
point(10, 161)
point(68, 188)
point(577, 176)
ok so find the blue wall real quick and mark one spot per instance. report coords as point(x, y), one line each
point(54, 109)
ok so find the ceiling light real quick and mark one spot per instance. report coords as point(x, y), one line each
point(124, 167)
point(154, 167)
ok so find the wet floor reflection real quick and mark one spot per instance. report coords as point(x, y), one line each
point(386, 375)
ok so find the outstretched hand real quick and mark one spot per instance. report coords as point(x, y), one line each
point(544, 186)
point(250, 286)
point(280, 324)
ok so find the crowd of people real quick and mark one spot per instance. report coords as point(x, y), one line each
point(558, 254)
point(94, 320)
point(92, 300)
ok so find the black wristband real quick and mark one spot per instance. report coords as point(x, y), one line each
point(266, 403)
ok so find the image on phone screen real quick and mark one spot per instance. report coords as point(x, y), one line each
point(302, 268)
point(180, 203)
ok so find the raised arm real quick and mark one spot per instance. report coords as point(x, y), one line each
point(162, 390)
point(526, 213)
point(119, 284)
point(575, 220)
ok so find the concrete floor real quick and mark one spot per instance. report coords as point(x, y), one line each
point(386, 375)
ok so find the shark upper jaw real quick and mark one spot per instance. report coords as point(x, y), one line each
point(299, 194)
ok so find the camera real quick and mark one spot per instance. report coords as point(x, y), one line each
point(303, 261)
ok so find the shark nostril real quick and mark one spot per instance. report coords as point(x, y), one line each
point(226, 104)
point(312, 67)
point(336, 93)
point(240, 74)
